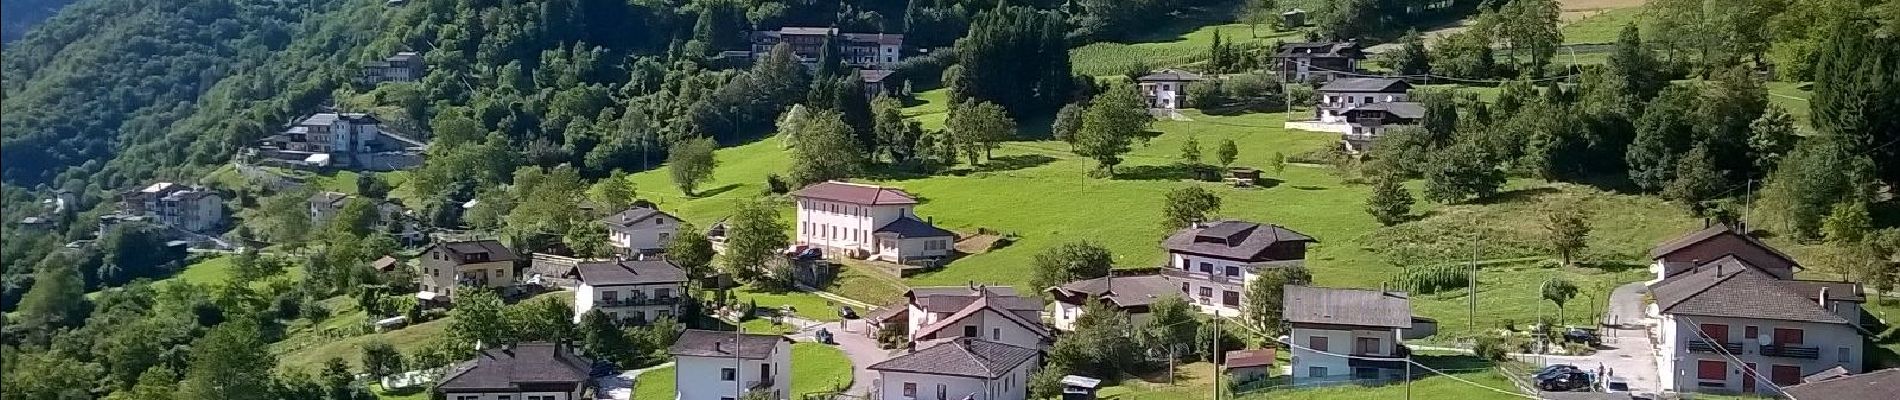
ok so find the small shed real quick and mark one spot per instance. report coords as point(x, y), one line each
point(1293, 18)
point(385, 264)
point(1422, 327)
point(1076, 387)
point(1249, 365)
point(1243, 176)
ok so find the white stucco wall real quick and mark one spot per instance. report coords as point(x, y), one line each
point(698, 378)
point(651, 234)
point(990, 326)
point(1678, 366)
point(850, 228)
point(913, 248)
point(1066, 314)
point(1337, 342)
point(1333, 103)
point(1012, 386)
point(585, 295)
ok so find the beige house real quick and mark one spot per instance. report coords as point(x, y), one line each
point(448, 266)
point(867, 221)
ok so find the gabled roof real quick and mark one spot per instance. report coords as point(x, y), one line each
point(1240, 240)
point(995, 304)
point(1711, 232)
point(496, 251)
point(629, 272)
point(1124, 291)
point(1366, 85)
point(625, 221)
point(1868, 386)
point(1318, 305)
point(1401, 109)
point(1319, 50)
point(1733, 289)
point(855, 193)
point(1249, 358)
point(331, 199)
point(1171, 75)
point(511, 368)
point(874, 75)
point(907, 227)
point(704, 343)
point(966, 357)
point(807, 30)
point(877, 38)
point(948, 299)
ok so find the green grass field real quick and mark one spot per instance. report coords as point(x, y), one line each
point(805, 305)
point(1602, 27)
point(1165, 50)
point(816, 368)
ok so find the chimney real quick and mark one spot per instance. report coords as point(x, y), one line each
point(1822, 299)
point(719, 347)
point(1718, 270)
point(626, 218)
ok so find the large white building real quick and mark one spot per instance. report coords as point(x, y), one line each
point(960, 369)
point(640, 230)
point(1330, 323)
point(1344, 94)
point(1730, 327)
point(193, 209)
point(636, 292)
point(711, 365)
point(444, 268)
point(867, 221)
point(526, 371)
point(1214, 261)
point(1167, 89)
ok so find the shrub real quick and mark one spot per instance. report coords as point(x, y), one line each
point(1492, 347)
point(1426, 280)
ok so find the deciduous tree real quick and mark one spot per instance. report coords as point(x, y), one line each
point(1566, 228)
point(1261, 307)
point(1390, 203)
point(754, 235)
point(1068, 262)
point(1187, 206)
point(690, 249)
point(691, 163)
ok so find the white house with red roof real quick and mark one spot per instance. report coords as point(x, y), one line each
point(867, 221)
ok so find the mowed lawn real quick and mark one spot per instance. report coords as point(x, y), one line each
point(816, 368)
point(1178, 46)
point(1602, 26)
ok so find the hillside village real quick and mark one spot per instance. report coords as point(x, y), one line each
point(947, 199)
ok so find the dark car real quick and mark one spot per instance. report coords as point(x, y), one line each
point(1583, 336)
point(1565, 382)
point(847, 313)
point(1552, 370)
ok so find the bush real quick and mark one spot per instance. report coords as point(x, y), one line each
point(1205, 94)
point(775, 184)
point(1427, 280)
point(1492, 347)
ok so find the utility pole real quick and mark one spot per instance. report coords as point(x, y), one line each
point(1408, 376)
point(1216, 356)
point(1471, 286)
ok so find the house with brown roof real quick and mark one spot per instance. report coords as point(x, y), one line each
point(1248, 365)
point(1308, 61)
point(998, 314)
point(1130, 294)
point(1731, 327)
point(867, 221)
point(447, 267)
point(527, 371)
point(1215, 260)
point(711, 365)
point(1331, 324)
point(857, 50)
point(634, 292)
point(1167, 89)
point(640, 230)
point(1875, 385)
point(1340, 95)
point(1713, 242)
point(964, 368)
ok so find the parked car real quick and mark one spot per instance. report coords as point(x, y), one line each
point(847, 313)
point(1565, 382)
point(1616, 384)
point(1553, 369)
point(1575, 335)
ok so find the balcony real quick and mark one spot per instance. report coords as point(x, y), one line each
point(1200, 276)
point(1811, 353)
point(637, 301)
point(1703, 346)
point(762, 384)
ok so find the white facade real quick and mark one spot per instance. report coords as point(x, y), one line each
point(647, 235)
point(1166, 95)
point(723, 378)
point(516, 396)
point(844, 227)
point(1066, 314)
point(914, 386)
point(1332, 106)
point(987, 324)
point(890, 248)
point(191, 211)
point(637, 304)
point(1307, 363)
point(1682, 368)
point(1216, 285)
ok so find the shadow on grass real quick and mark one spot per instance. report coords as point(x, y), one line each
point(1612, 266)
point(1015, 162)
point(1170, 172)
point(1452, 361)
point(1529, 195)
point(716, 191)
point(1881, 346)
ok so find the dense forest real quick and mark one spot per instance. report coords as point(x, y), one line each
point(19, 16)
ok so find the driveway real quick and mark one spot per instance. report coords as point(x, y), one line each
point(860, 348)
point(620, 387)
point(1627, 348)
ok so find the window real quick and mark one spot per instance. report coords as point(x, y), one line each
point(910, 389)
point(660, 221)
point(1207, 267)
point(1233, 271)
point(1715, 332)
point(469, 397)
point(1317, 343)
point(1184, 288)
point(1711, 370)
point(1207, 292)
point(539, 397)
point(996, 334)
point(1750, 332)
point(969, 331)
point(663, 293)
point(1785, 375)
point(943, 392)
point(1843, 354)
point(1788, 336)
point(1315, 371)
point(1366, 345)
point(1230, 298)
point(609, 295)
point(728, 374)
point(663, 236)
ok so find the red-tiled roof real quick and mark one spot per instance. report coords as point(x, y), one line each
point(856, 193)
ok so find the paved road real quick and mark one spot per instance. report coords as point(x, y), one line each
point(1627, 347)
point(620, 387)
point(860, 348)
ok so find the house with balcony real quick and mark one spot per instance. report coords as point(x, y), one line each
point(525, 371)
point(188, 208)
point(1329, 324)
point(1167, 89)
point(354, 141)
point(713, 365)
point(1315, 61)
point(867, 222)
point(1731, 327)
point(448, 267)
point(1130, 294)
point(1343, 94)
point(961, 369)
point(406, 66)
point(879, 51)
point(634, 292)
point(640, 230)
point(324, 206)
point(1714, 241)
point(936, 313)
point(1875, 385)
point(1214, 261)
